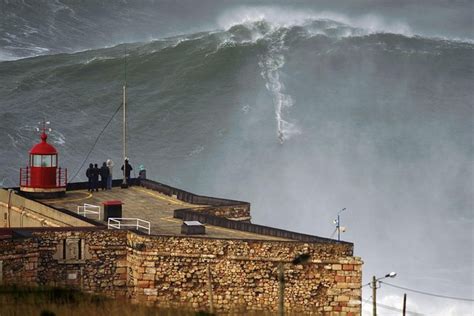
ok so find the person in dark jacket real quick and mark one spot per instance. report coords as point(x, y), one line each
point(104, 175)
point(89, 174)
point(95, 178)
point(128, 169)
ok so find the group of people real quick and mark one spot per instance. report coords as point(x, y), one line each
point(105, 173)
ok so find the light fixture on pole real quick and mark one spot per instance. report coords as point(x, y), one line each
point(337, 222)
point(374, 287)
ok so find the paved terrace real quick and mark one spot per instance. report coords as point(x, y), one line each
point(148, 205)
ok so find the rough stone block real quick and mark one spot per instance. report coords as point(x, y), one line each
point(340, 278)
point(347, 267)
point(120, 282)
point(143, 284)
point(150, 270)
point(121, 263)
point(121, 270)
point(148, 276)
point(336, 267)
point(150, 291)
point(342, 298)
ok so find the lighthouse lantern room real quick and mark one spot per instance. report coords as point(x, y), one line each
point(42, 176)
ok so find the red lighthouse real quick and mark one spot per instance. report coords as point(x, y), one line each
point(43, 177)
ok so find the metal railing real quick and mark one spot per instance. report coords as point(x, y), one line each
point(195, 215)
point(86, 209)
point(61, 177)
point(25, 177)
point(191, 197)
point(125, 223)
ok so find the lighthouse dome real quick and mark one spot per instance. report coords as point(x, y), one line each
point(43, 148)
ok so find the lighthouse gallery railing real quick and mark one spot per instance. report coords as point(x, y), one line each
point(61, 178)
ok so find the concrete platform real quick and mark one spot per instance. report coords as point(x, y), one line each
point(147, 205)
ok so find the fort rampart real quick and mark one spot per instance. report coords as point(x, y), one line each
point(173, 270)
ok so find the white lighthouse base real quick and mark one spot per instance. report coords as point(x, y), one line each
point(43, 192)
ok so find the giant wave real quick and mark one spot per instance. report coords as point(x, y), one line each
point(298, 119)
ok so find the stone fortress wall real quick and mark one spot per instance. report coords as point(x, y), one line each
point(19, 211)
point(172, 270)
point(177, 270)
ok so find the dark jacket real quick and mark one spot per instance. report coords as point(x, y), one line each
point(128, 168)
point(90, 172)
point(104, 172)
point(95, 173)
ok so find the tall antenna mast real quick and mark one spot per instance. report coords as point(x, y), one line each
point(339, 228)
point(43, 125)
point(124, 103)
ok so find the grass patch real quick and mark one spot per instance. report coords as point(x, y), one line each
point(53, 301)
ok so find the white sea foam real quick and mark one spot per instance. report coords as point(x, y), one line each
point(57, 6)
point(26, 133)
point(94, 59)
point(249, 15)
point(38, 50)
point(196, 150)
point(175, 41)
point(58, 138)
point(270, 65)
point(13, 140)
point(6, 56)
point(246, 108)
point(225, 41)
point(286, 17)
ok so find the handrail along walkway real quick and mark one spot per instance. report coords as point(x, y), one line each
point(89, 209)
point(118, 223)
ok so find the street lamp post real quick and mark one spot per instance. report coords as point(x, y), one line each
point(374, 290)
point(338, 224)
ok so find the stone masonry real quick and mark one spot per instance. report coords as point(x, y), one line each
point(172, 270)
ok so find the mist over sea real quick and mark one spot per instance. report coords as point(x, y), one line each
point(301, 110)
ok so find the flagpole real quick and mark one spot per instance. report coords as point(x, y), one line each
point(124, 103)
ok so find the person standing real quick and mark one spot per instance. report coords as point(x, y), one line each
point(90, 174)
point(110, 165)
point(142, 172)
point(95, 178)
point(104, 175)
point(127, 168)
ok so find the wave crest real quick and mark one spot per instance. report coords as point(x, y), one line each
point(281, 17)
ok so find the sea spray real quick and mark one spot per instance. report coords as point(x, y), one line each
point(386, 120)
point(270, 65)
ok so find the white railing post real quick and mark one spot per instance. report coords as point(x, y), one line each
point(89, 209)
point(121, 222)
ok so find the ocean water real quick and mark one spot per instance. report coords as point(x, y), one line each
point(300, 114)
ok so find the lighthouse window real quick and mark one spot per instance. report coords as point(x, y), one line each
point(37, 161)
point(44, 161)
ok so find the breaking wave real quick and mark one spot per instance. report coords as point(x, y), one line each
point(271, 63)
point(378, 119)
point(270, 45)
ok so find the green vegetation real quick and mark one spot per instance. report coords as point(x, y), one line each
point(52, 301)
